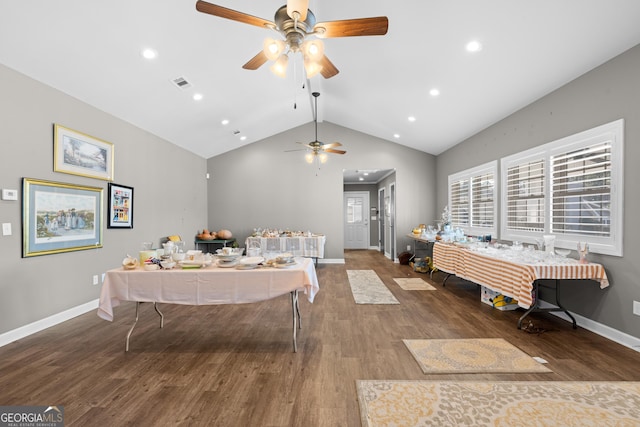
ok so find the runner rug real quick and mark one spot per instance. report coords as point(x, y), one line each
point(508, 403)
point(367, 288)
point(414, 284)
point(485, 355)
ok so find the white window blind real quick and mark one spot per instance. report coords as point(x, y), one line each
point(525, 196)
point(571, 188)
point(581, 187)
point(472, 199)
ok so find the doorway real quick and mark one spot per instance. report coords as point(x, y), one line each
point(356, 219)
point(382, 220)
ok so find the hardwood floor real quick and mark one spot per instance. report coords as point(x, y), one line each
point(234, 365)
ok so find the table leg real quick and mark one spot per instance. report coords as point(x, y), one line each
point(155, 306)
point(536, 305)
point(126, 346)
point(295, 310)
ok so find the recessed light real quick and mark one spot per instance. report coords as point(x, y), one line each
point(434, 92)
point(474, 46)
point(361, 179)
point(396, 135)
point(149, 53)
point(242, 138)
point(411, 119)
point(197, 96)
point(225, 122)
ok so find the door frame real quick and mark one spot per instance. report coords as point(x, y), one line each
point(365, 215)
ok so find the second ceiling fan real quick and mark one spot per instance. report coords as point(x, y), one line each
point(297, 25)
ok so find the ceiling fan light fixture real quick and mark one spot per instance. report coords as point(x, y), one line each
point(311, 67)
point(279, 68)
point(273, 48)
point(309, 157)
point(313, 49)
point(297, 9)
point(323, 157)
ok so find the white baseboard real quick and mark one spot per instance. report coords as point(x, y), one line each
point(32, 328)
point(331, 261)
point(597, 328)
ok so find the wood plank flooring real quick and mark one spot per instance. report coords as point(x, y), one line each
point(234, 365)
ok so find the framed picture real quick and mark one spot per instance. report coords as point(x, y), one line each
point(120, 208)
point(58, 217)
point(79, 154)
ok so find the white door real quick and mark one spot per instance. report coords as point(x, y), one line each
point(356, 220)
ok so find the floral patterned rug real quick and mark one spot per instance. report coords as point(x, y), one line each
point(367, 288)
point(453, 356)
point(414, 284)
point(508, 403)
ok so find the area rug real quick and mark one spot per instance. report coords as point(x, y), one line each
point(453, 356)
point(508, 403)
point(367, 288)
point(414, 284)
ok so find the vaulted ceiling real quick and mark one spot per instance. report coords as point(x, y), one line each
point(92, 51)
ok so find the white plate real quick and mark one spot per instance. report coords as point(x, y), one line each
point(194, 262)
point(287, 265)
point(247, 266)
point(252, 260)
point(226, 264)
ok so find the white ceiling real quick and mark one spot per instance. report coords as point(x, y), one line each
point(91, 50)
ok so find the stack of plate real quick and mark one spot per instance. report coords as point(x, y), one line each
point(225, 261)
point(249, 263)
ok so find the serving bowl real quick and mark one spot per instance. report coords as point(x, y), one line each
point(151, 267)
point(563, 252)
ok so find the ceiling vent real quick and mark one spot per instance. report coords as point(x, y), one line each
point(181, 82)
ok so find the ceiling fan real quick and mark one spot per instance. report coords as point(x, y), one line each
point(297, 25)
point(318, 149)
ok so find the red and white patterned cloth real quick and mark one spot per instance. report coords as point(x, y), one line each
point(511, 277)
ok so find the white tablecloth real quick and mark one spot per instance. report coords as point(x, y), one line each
point(205, 286)
point(312, 247)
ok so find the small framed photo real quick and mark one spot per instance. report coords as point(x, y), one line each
point(120, 208)
point(76, 153)
point(59, 217)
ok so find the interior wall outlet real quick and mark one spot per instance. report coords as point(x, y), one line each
point(636, 308)
point(8, 194)
point(408, 247)
point(95, 279)
point(6, 229)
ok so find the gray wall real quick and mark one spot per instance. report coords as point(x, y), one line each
point(169, 197)
point(607, 93)
point(262, 185)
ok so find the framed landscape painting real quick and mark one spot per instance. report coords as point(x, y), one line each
point(59, 217)
point(120, 208)
point(79, 154)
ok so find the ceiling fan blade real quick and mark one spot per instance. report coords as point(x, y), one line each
point(256, 62)
point(331, 150)
point(305, 144)
point(234, 15)
point(328, 69)
point(353, 27)
point(333, 144)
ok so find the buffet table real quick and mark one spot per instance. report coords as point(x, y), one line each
point(514, 273)
point(304, 246)
point(207, 286)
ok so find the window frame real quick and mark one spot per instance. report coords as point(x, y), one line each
point(609, 245)
point(468, 175)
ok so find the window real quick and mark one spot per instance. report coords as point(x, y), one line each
point(472, 199)
point(571, 188)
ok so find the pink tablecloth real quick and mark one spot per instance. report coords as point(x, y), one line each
point(512, 278)
point(205, 286)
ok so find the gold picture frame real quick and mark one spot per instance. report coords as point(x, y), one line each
point(59, 217)
point(77, 153)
